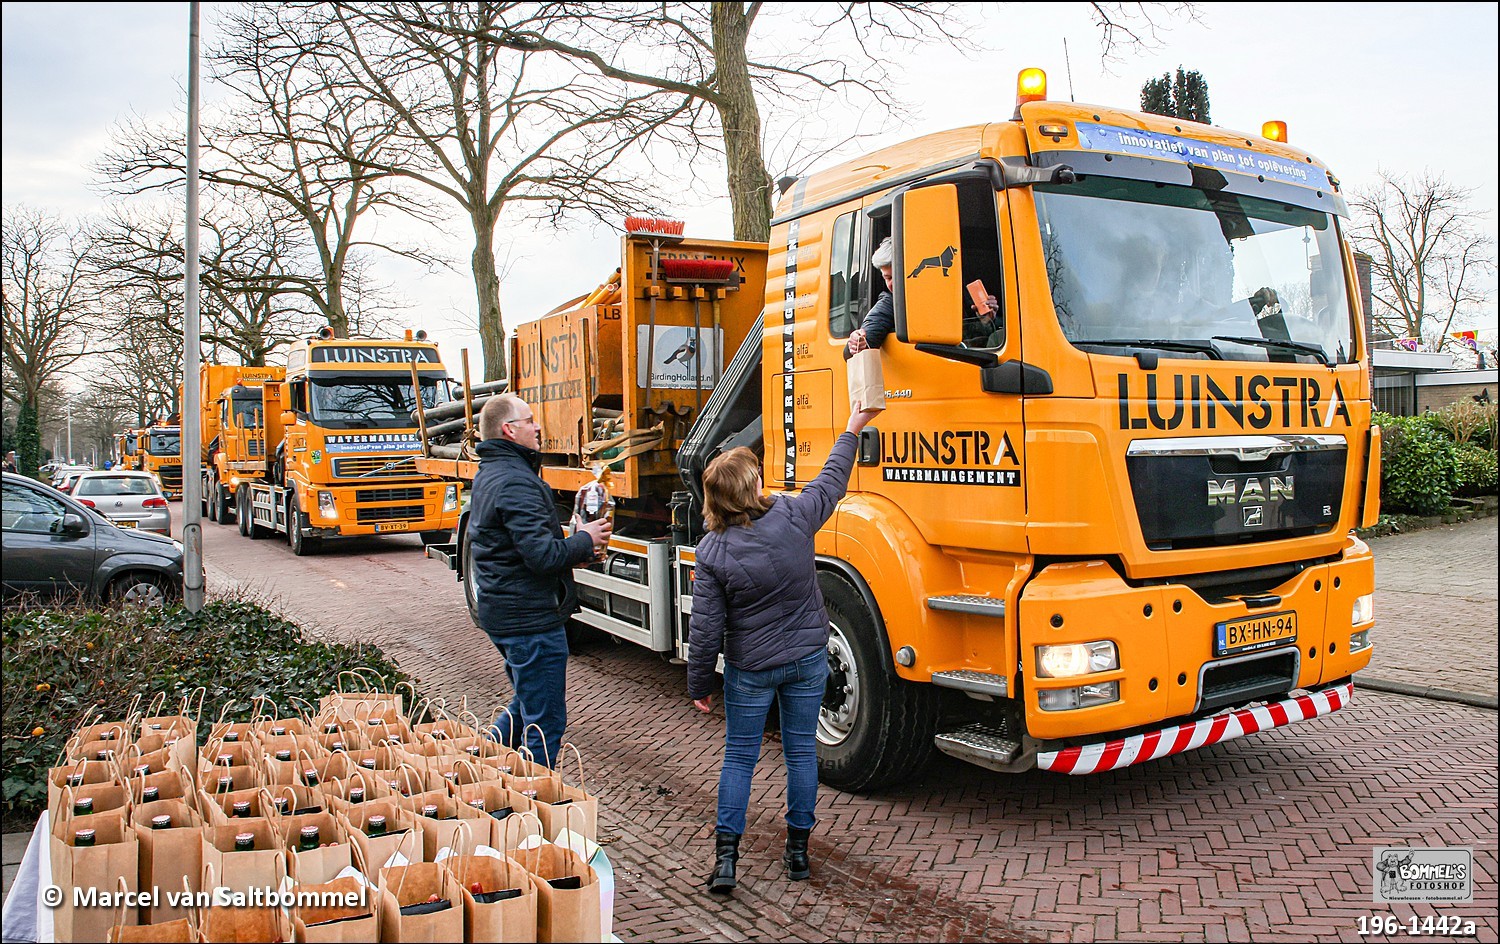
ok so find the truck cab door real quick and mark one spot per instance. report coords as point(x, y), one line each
point(948, 450)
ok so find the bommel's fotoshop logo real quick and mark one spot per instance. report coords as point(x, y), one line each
point(1415, 873)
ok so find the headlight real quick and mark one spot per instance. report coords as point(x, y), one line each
point(1084, 696)
point(326, 507)
point(1364, 609)
point(450, 498)
point(234, 480)
point(1079, 658)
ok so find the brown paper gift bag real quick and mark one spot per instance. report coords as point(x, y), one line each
point(319, 924)
point(322, 864)
point(168, 856)
point(173, 784)
point(238, 871)
point(182, 930)
point(216, 753)
point(488, 917)
point(402, 832)
point(367, 688)
point(438, 831)
point(217, 809)
point(408, 888)
point(563, 913)
point(114, 858)
point(866, 380)
point(336, 793)
point(234, 924)
point(555, 797)
point(77, 774)
point(228, 779)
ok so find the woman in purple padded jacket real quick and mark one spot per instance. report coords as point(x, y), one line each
point(756, 599)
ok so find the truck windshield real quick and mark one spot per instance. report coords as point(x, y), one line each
point(366, 402)
point(248, 411)
point(165, 443)
point(1234, 277)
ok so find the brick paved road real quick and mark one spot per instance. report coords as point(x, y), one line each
point(1263, 837)
point(1436, 601)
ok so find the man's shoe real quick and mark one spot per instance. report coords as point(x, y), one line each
point(726, 853)
point(798, 867)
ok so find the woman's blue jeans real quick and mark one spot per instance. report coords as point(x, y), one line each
point(797, 688)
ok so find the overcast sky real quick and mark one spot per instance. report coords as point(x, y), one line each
point(1365, 87)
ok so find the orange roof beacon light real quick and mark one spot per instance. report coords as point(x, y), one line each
point(1031, 86)
point(1274, 131)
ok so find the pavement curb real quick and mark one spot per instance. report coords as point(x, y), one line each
point(1430, 693)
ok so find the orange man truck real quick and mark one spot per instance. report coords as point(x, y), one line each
point(340, 436)
point(161, 455)
point(232, 428)
point(1111, 523)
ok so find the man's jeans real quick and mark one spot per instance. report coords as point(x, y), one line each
point(797, 689)
point(537, 664)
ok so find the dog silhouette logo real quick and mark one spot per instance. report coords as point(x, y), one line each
point(943, 260)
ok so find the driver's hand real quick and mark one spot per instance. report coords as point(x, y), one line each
point(857, 341)
point(1264, 297)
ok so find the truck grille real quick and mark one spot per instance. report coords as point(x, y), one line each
point(354, 466)
point(1240, 681)
point(171, 476)
point(255, 448)
point(387, 495)
point(395, 513)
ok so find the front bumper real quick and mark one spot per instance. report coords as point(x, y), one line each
point(1153, 745)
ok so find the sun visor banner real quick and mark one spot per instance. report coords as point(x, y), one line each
point(366, 354)
point(1092, 137)
point(372, 442)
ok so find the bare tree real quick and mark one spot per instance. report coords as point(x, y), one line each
point(501, 132)
point(702, 52)
point(299, 135)
point(1430, 256)
point(48, 305)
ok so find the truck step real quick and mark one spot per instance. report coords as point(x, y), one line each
point(967, 680)
point(982, 744)
point(968, 603)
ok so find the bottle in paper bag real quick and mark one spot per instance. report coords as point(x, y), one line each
point(594, 502)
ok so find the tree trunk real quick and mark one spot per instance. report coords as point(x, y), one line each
point(338, 319)
point(487, 287)
point(739, 117)
point(28, 439)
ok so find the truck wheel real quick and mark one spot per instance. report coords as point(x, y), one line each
point(874, 729)
point(242, 513)
point(210, 499)
point(219, 507)
point(466, 561)
point(295, 521)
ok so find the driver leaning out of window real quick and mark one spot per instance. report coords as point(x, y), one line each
point(980, 330)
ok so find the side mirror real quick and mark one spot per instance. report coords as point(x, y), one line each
point(288, 418)
point(72, 524)
point(928, 285)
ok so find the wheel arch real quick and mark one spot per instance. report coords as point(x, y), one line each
point(856, 581)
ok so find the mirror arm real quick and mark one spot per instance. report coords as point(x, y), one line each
point(963, 355)
point(1018, 173)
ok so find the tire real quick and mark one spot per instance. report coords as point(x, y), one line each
point(302, 546)
point(210, 499)
point(221, 504)
point(140, 589)
point(874, 729)
point(242, 513)
point(472, 602)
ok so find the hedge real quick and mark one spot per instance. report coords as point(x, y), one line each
point(61, 662)
point(1419, 468)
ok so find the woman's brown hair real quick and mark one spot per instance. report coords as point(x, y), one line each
point(731, 492)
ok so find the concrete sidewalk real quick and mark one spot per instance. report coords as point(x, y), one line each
point(1437, 614)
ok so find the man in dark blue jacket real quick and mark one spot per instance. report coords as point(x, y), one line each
point(523, 571)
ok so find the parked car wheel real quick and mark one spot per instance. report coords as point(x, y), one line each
point(140, 589)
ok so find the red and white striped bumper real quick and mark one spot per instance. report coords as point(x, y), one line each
point(1139, 748)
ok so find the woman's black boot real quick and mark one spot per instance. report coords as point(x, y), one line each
point(726, 853)
point(797, 865)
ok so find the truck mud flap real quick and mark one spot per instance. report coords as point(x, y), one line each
point(445, 553)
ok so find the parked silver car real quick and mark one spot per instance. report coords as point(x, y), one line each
point(129, 499)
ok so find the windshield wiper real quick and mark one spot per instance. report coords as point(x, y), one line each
point(1303, 347)
point(1163, 344)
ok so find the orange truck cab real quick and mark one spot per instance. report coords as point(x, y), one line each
point(233, 433)
point(1112, 522)
point(339, 439)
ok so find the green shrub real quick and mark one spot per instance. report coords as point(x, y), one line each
point(1468, 422)
point(1418, 469)
point(1478, 470)
point(61, 662)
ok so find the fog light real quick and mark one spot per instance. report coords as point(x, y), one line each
point(1364, 609)
point(1359, 641)
point(1081, 658)
point(450, 498)
point(234, 480)
point(326, 507)
point(1085, 696)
